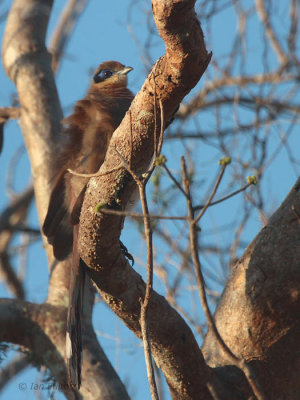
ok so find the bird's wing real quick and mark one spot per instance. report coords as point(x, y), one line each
point(75, 213)
point(56, 226)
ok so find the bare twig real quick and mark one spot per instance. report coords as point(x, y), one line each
point(7, 113)
point(145, 303)
point(172, 177)
point(193, 233)
point(10, 370)
point(162, 127)
point(9, 276)
point(10, 221)
point(141, 183)
point(212, 195)
point(212, 203)
point(63, 31)
point(228, 81)
point(157, 144)
point(263, 14)
point(139, 215)
point(98, 173)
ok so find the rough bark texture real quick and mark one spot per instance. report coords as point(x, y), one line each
point(28, 64)
point(172, 77)
point(258, 315)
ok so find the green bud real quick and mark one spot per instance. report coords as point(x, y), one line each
point(252, 179)
point(99, 206)
point(225, 161)
point(160, 160)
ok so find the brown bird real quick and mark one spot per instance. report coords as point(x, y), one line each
point(86, 136)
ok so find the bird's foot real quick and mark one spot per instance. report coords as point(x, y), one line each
point(126, 253)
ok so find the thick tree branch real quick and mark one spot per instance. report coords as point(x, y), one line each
point(12, 369)
point(34, 321)
point(11, 217)
point(28, 64)
point(173, 76)
point(7, 113)
point(258, 315)
point(43, 333)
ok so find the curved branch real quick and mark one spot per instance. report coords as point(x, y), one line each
point(173, 76)
point(64, 28)
point(258, 314)
point(241, 81)
point(28, 64)
point(43, 333)
point(34, 319)
point(12, 369)
point(7, 113)
point(264, 16)
point(11, 216)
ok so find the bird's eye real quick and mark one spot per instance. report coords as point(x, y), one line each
point(102, 75)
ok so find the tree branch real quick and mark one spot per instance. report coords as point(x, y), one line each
point(64, 28)
point(173, 76)
point(28, 64)
point(258, 314)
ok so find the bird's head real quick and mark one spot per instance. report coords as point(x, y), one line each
point(110, 74)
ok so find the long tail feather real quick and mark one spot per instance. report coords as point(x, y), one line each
point(74, 321)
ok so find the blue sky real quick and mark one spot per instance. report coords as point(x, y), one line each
point(102, 33)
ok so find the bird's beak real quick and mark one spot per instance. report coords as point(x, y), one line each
point(125, 70)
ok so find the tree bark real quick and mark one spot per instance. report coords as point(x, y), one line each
point(172, 77)
point(28, 63)
point(258, 314)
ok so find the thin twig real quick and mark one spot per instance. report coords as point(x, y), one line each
point(127, 167)
point(7, 113)
point(162, 127)
point(64, 28)
point(98, 173)
point(223, 198)
point(13, 368)
point(20, 227)
point(212, 195)
point(155, 116)
point(146, 301)
point(141, 183)
point(264, 16)
point(160, 140)
point(193, 233)
point(139, 215)
point(130, 160)
point(9, 276)
point(172, 177)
